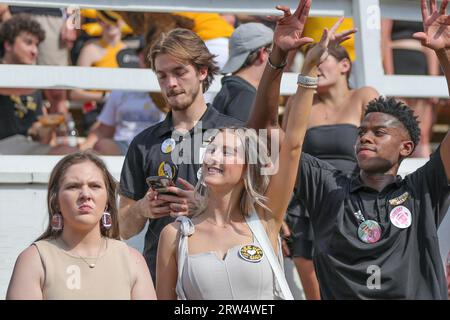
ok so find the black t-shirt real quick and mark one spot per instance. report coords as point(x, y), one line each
point(404, 263)
point(56, 12)
point(235, 98)
point(18, 113)
point(145, 158)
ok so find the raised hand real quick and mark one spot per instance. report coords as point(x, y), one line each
point(337, 38)
point(436, 26)
point(289, 28)
point(330, 38)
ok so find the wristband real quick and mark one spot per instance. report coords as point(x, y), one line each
point(306, 87)
point(307, 81)
point(275, 67)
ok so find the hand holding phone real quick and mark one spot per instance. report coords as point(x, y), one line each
point(160, 184)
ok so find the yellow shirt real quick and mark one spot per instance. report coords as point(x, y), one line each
point(94, 29)
point(315, 25)
point(109, 60)
point(209, 25)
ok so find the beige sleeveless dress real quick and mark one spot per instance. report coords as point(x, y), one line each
point(69, 277)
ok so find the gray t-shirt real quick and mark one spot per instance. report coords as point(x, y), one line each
point(235, 98)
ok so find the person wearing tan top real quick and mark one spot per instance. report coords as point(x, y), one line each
point(79, 256)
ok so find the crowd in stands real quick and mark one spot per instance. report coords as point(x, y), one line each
point(123, 39)
point(326, 201)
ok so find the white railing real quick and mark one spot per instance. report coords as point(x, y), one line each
point(366, 14)
point(255, 7)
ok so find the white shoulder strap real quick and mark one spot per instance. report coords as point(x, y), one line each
point(186, 229)
point(258, 230)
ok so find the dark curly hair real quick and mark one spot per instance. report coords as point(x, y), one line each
point(11, 29)
point(399, 110)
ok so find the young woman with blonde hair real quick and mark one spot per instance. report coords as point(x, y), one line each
point(230, 248)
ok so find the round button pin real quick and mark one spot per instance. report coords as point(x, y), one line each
point(369, 231)
point(401, 217)
point(168, 145)
point(251, 253)
point(167, 169)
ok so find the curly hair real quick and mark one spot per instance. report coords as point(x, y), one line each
point(12, 28)
point(186, 46)
point(399, 110)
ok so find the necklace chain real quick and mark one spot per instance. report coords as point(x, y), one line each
point(91, 265)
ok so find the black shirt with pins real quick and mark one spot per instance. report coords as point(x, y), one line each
point(145, 158)
point(406, 261)
point(18, 113)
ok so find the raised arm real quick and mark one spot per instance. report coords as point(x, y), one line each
point(296, 126)
point(436, 36)
point(436, 33)
point(365, 94)
point(287, 36)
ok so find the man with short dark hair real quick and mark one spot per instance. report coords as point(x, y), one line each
point(375, 234)
point(54, 50)
point(19, 108)
point(250, 46)
point(16, 32)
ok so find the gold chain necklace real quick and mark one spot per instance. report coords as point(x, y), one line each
point(91, 265)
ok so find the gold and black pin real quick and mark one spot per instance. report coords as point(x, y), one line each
point(251, 253)
point(399, 200)
point(167, 169)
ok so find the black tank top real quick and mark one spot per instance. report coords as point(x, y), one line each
point(405, 29)
point(334, 144)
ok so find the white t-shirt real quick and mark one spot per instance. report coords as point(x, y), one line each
point(129, 112)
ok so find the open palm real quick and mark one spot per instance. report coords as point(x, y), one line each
point(436, 26)
point(330, 38)
point(289, 29)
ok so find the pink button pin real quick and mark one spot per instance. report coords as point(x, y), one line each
point(401, 217)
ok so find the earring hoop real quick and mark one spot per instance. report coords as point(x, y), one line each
point(57, 222)
point(106, 220)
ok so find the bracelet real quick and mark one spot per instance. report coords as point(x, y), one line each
point(307, 81)
point(306, 86)
point(275, 67)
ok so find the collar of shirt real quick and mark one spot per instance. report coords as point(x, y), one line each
point(208, 120)
point(356, 184)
